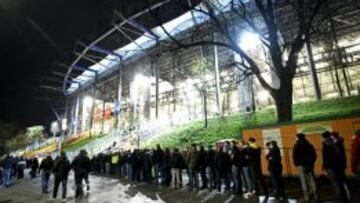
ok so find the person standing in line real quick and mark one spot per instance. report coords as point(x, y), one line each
point(61, 173)
point(46, 167)
point(193, 166)
point(236, 168)
point(81, 166)
point(223, 168)
point(176, 165)
point(248, 183)
point(339, 144)
point(332, 165)
point(255, 168)
point(275, 169)
point(202, 167)
point(7, 165)
point(166, 167)
point(157, 159)
point(355, 154)
point(304, 157)
point(210, 167)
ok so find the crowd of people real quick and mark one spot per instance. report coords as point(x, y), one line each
point(60, 168)
point(231, 166)
point(236, 166)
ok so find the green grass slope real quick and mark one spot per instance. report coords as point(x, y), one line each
point(232, 126)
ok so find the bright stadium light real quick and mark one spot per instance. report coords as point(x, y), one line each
point(249, 40)
point(87, 101)
point(263, 95)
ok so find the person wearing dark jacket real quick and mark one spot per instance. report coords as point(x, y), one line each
point(210, 167)
point(304, 157)
point(34, 167)
point(192, 160)
point(7, 164)
point(275, 169)
point(248, 183)
point(236, 168)
point(255, 168)
point(177, 163)
point(81, 166)
point(21, 167)
point(339, 144)
point(157, 160)
point(166, 168)
point(202, 167)
point(332, 164)
point(46, 167)
point(223, 169)
point(61, 173)
point(355, 154)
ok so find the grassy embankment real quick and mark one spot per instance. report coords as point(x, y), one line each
point(232, 126)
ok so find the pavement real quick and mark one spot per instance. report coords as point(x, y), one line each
point(105, 189)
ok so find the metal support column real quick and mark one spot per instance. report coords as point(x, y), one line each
point(217, 80)
point(312, 67)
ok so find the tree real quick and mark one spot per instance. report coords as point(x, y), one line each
point(280, 47)
point(35, 133)
point(7, 131)
point(21, 139)
point(201, 70)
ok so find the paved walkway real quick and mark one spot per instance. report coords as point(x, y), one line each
point(108, 190)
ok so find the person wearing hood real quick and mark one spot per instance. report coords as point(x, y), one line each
point(332, 164)
point(255, 168)
point(304, 157)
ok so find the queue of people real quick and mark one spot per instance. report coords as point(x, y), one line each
point(231, 167)
point(236, 166)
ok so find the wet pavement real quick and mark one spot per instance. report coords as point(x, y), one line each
point(112, 189)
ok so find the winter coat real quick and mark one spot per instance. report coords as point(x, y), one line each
point(222, 163)
point(355, 155)
point(202, 159)
point(236, 157)
point(158, 156)
point(62, 167)
point(339, 144)
point(35, 164)
point(193, 160)
point(304, 154)
point(47, 165)
point(274, 158)
point(7, 162)
point(331, 155)
point(81, 164)
point(177, 161)
point(255, 159)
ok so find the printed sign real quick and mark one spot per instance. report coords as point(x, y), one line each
point(273, 134)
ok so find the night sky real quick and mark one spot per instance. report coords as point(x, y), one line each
point(34, 35)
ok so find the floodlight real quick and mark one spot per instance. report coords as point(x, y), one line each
point(87, 101)
point(249, 40)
